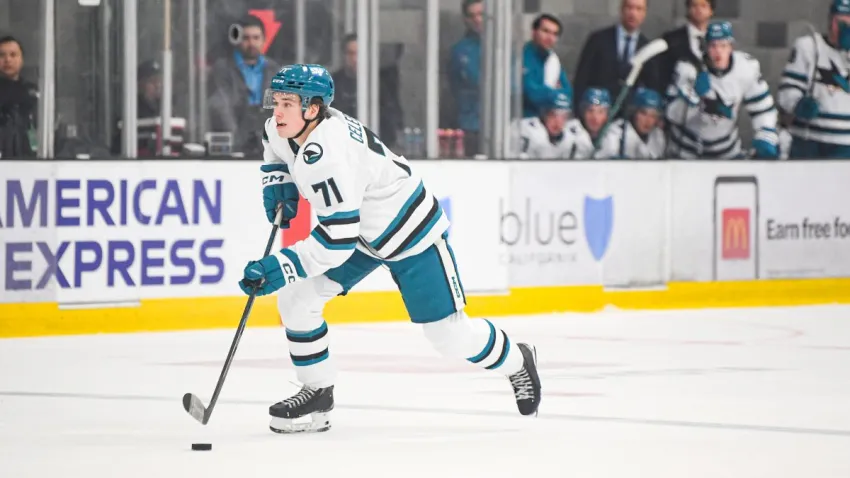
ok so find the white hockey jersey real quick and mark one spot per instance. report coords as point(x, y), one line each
point(530, 139)
point(360, 191)
point(708, 127)
point(623, 142)
point(583, 141)
point(831, 90)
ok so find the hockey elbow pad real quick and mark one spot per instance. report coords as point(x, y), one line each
point(279, 191)
point(807, 108)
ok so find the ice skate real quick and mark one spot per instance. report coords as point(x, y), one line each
point(526, 382)
point(306, 411)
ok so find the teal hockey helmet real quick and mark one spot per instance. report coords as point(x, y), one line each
point(719, 31)
point(306, 81)
point(840, 7)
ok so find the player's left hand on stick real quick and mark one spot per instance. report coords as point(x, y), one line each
point(279, 191)
point(271, 273)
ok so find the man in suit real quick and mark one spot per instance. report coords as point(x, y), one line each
point(686, 42)
point(606, 57)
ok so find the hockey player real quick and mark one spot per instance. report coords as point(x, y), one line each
point(815, 90)
point(638, 135)
point(593, 114)
point(372, 210)
point(703, 105)
point(546, 136)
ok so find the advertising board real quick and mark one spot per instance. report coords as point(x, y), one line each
point(760, 220)
point(89, 234)
point(582, 223)
point(81, 233)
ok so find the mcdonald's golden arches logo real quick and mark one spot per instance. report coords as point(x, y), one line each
point(736, 233)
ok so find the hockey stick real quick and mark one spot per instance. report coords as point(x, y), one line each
point(649, 51)
point(810, 90)
point(193, 405)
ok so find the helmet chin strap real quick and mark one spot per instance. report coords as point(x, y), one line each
point(306, 124)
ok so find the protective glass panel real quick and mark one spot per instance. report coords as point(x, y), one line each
point(248, 41)
point(401, 72)
point(461, 30)
point(89, 67)
point(19, 75)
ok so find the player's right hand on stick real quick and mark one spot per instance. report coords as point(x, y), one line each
point(279, 191)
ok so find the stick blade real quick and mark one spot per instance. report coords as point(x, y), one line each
point(651, 49)
point(195, 407)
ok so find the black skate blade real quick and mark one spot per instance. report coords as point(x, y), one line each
point(195, 407)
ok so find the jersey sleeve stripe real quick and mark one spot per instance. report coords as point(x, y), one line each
point(791, 75)
point(832, 116)
point(328, 242)
point(757, 98)
point(421, 230)
point(763, 111)
point(821, 129)
point(401, 218)
point(339, 218)
point(789, 86)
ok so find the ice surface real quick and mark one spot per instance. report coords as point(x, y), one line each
point(718, 393)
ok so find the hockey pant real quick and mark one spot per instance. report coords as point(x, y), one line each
point(433, 295)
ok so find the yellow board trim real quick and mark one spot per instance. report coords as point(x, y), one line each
point(42, 319)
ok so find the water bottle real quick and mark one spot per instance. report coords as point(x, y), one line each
point(408, 142)
point(442, 139)
point(419, 143)
point(459, 149)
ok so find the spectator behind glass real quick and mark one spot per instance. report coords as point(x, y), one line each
point(18, 103)
point(606, 57)
point(686, 43)
point(345, 89)
point(237, 83)
point(543, 77)
point(465, 75)
point(149, 78)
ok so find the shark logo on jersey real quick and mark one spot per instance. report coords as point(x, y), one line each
point(717, 108)
point(833, 78)
point(313, 152)
point(598, 224)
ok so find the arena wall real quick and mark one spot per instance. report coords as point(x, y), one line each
point(103, 247)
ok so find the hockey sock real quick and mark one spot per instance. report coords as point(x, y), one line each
point(300, 306)
point(477, 341)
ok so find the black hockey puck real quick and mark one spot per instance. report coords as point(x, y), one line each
point(201, 446)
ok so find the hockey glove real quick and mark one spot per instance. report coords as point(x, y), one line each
point(807, 108)
point(766, 144)
point(703, 84)
point(765, 150)
point(271, 273)
point(278, 188)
